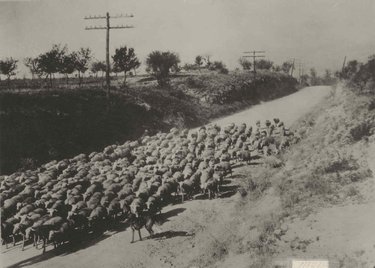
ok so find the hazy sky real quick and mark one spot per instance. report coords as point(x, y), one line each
point(318, 32)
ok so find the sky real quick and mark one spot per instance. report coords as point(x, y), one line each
point(318, 33)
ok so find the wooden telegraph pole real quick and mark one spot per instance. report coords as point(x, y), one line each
point(254, 56)
point(291, 73)
point(343, 65)
point(108, 27)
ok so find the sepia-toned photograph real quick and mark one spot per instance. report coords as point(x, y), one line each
point(187, 133)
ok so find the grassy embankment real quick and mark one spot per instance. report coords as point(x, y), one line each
point(324, 169)
point(37, 127)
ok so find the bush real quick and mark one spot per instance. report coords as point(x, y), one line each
point(371, 106)
point(218, 66)
point(318, 185)
point(352, 191)
point(195, 82)
point(290, 199)
point(361, 130)
point(273, 162)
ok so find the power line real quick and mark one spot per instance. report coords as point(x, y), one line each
point(108, 27)
point(254, 56)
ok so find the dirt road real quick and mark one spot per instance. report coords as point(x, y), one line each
point(288, 108)
point(175, 235)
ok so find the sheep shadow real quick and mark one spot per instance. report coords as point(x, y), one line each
point(227, 181)
point(228, 188)
point(169, 234)
point(62, 250)
point(164, 217)
point(33, 260)
point(235, 176)
point(251, 163)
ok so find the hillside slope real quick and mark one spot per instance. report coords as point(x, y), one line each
point(197, 232)
point(319, 204)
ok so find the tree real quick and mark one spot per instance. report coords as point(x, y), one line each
point(314, 79)
point(8, 67)
point(218, 66)
point(350, 69)
point(98, 66)
point(286, 66)
point(68, 65)
point(364, 74)
point(199, 62)
point(263, 64)
point(245, 63)
point(207, 59)
point(276, 68)
point(189, 67)
point(82, 60)
point(125, 60)
point(51, 61)
point(115, 69)
point(327, 79)
point(304, 79)
point(160, 64)
point(33, 65)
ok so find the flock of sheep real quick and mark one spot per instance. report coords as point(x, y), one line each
point(87, 194)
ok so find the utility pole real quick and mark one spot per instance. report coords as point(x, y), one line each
point(254, 56)
point(299, 63)
point(108, 26)
point(291, 74)
point(343, 65)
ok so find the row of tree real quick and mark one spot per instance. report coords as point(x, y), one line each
point(59, 60)
point(262, 64)
point(203, 62)
point(160, 64)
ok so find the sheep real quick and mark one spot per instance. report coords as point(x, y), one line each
point(225, 167)
point(149, 170)
point(20, 228)
point(153, 205)
point(64, 233)
point(114, 208)
point(79, 219)
point(7, 232)
point(98, 219)
point(42, 231)
point(211, 186)
point(137, 206)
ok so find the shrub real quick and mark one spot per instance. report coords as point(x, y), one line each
point(273, 162)
point(195, 82)
point(360, 174)
point(290, 199)
point(361, 130)
point(332, 163)
point(352, 191)
point(318, 185)
point(371, 106)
